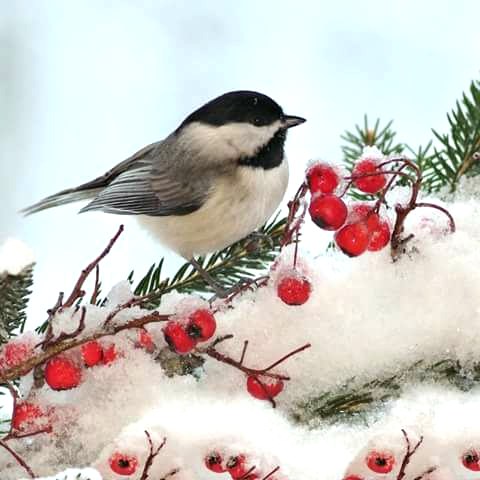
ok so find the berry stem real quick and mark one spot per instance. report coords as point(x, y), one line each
point(408, 454)
point(151, 456)
point(18, 458)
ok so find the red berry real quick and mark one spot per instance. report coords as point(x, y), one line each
point(353, 239)
point(379, 228)
point(177, 337)
point(214, 462)
point(380, 462)
point(62, 374)
point(371, 183)
point(380, 236)
point(471, 460)
point(201, 325)
point(322, 178)
point(25, 415)
point(294, 290)
point(123, 464)
point(264, 388)
point(328, 211)
point(236, 466)
point(353, 477)
point(92, 353)
point(145, 340)
point(109, 354)
point(16, 352)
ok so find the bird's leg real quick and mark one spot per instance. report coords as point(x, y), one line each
point(220, 292)
point(256, 238)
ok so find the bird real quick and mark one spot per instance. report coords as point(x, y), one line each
point(217, 178)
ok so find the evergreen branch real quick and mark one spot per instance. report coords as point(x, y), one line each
point(14, 293)
point(357, 400)
point(228, 266)
point(458, 154)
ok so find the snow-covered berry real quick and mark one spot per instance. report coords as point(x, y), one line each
point(145, 340)
point(329, 212)
point(109, 354)
point(353, 477)
point(25, 416)
point(237, 466)
point(201, 325)
point(370, 177)
point(353, 239)
point(15, 352)
point(123, 464)
point(92, 353)
point(471, 460)
point(264, 388)
point(380, 462)
point(215, 463)
point(177, 337)
point(322, 178)
point(379, 228)
point(294, 290)
point(61, 373)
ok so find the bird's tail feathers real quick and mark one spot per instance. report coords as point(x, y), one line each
point(69, 195)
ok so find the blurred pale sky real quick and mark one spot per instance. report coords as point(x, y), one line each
point(84, 84)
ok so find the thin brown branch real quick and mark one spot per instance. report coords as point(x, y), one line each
point(77, 291)
point(408, 454)
point(215, 354)
point(96, 289)
point(53, 350)
point(268, 475)
point(18, 458)
point(151, 456)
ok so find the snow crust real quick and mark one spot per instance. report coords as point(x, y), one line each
point(367, 317)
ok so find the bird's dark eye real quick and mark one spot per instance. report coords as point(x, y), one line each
point(257, 121)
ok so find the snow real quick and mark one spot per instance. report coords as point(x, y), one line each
point(14, 256)
point(366, 318)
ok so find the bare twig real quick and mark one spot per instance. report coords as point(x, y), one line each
point(408, 454)
point(151, 456)
point(96, 289)
point(18, 458)
point(77, 291)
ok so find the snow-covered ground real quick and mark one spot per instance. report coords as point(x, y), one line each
point(366, 318)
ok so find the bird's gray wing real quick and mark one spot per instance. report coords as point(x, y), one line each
point(156, 183)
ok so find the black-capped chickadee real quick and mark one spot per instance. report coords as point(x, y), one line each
point(213, 181)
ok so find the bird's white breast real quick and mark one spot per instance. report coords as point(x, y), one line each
point(239, 204)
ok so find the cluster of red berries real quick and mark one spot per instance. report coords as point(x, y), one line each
point(182, 335)
point(236, 465)
point(360, 227)
point(384, 462)
point(65, 370)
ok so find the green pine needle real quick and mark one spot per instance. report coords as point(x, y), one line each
point(14, 294)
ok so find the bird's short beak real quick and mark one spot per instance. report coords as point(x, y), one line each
point(292, 121)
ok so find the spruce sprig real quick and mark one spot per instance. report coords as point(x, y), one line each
point(14, 293)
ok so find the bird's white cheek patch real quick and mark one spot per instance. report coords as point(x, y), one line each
point(229, 141)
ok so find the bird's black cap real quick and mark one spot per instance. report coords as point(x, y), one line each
point(239, 106)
